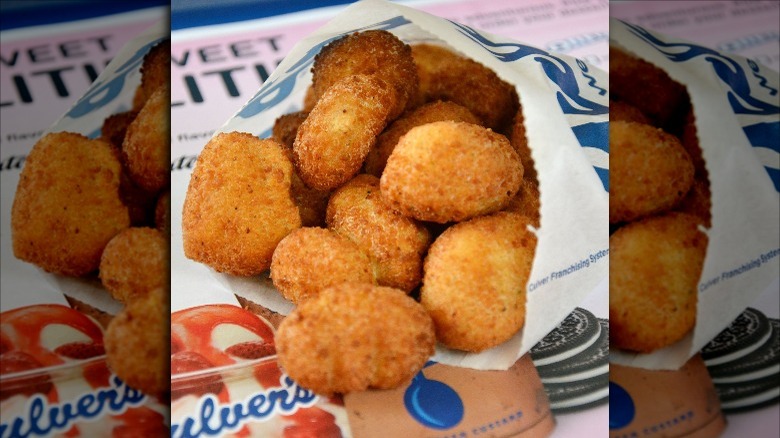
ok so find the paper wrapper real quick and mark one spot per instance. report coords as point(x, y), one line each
point(735, 103)
point(38, 322)
point(565, 107)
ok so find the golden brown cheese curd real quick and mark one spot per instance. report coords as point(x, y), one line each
point(238, 204)
point(353, 337)
point(451, 171)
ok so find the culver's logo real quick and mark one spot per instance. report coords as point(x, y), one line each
point(106, 90)
point(40, 418)
point(587, 111)
point(210, 418)
point(745, 85)
point(276, 90)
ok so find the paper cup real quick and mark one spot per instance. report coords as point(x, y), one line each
point(652, 403)
point(444, 400)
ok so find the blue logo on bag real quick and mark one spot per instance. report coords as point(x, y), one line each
point(277, 90)
point(101, 93)
point(593, 133)
point(432, 403)
point(621, 407)
point(740, 95)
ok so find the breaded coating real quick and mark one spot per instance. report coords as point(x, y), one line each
point(155, 71)
point(311, 202)
point(519, 141)
point(238, 205)
point(654, 267)
point(445, 75)
point(137, 343)
point(526, 202)
point(67, 205)
point(309, 100)
point(312, 259)
point(644, 86)
point(353, 337)
point(115, 126)
point(395, 243)
point(698, 202)
point(162, 214)
point(373, 52)
point(146, 147)
point(475, 280)
point(623, 112)
point(451, 171)
point(286, 127)
point(134, 262)
point(433, 112)
point(690, 141)
point(333, 141)
point(138, 201)
point(650, 172)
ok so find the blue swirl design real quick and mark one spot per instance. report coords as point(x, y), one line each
point(274, 92)
point(104, 92)
point(557, 70)
point(621, 407)
point(739, 95)
point(728, 70)
point(570, 97)
point(432, 403)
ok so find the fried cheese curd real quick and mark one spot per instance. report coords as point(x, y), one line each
point(519, 141)
point(146, 146)
point(67, 205)
point(623, 112)
point(650, 172)
point(115, 127)
point(395, 243)
point(373, 52)
point(334, 140)
point(690, 141)
point(451, 171)
point(286, 127)
point(137, 343)
point(478, 302)
point(310, 259)
point(526, 202)
point(311, 202)
point(433, 112)
point(645, 87)
point(238, 205)
point(155, 71)
point(445, 75)
point(162, 213)
point(352, 337)
point(134, 262)
point(654, 267)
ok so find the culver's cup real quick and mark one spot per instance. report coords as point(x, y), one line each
point(443, 400)
point(660, 403)
point(54, 380)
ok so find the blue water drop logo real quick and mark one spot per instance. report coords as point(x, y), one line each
point(432, 403)
point(621, 407)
